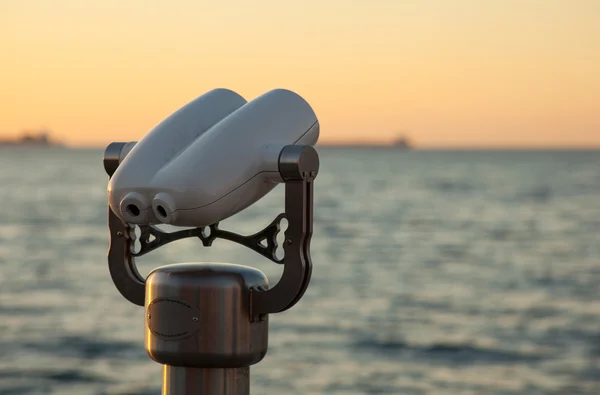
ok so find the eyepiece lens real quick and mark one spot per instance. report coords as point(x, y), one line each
point(161, 211)
point(133, 209)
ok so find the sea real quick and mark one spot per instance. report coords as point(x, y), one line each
point(435, 272)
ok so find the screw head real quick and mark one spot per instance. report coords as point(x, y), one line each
point(119, 234)
point(194, 319)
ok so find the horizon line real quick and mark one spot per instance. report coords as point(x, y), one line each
point(417, 148)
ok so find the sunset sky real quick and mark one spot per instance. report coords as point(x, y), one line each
point(447, 73)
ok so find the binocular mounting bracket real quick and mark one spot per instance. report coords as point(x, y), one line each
point(298, 167)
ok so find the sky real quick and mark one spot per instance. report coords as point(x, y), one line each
point(463, 73)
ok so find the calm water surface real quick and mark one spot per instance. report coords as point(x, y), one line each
point(434, 273)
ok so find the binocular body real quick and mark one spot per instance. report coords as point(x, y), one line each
point(210, 159)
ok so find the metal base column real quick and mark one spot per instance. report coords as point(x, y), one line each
point(178, 380)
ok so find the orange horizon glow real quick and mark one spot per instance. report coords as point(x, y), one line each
point(515, 73)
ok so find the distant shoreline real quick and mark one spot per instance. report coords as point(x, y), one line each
point(39, 138)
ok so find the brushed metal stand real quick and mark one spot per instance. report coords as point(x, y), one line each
point(207, 323)
point(226, 381)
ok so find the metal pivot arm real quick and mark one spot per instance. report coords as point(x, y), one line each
point(298, 166)
point(121, 264)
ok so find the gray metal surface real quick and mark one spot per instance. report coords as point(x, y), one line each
point(203, 381)
point(198, 315)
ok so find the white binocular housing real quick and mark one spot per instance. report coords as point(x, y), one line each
point(210, 159)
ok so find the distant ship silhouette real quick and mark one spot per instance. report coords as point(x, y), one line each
point(402, 143)
point(39, 138)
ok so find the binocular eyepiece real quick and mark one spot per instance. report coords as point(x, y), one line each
point(135, 208)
